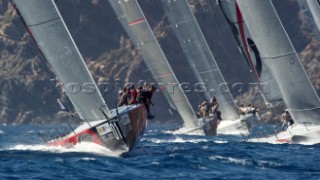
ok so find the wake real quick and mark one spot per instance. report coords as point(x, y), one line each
point(83, 147)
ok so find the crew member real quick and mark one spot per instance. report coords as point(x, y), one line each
point(286, 120)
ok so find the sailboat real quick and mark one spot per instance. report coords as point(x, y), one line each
point(204, 66)
point(280, 57)
point(117, 130)
point(268, 87)
point(139, 31)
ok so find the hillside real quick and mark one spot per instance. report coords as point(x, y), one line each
point(28, 94)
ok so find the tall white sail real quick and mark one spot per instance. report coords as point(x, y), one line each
point(55, 42)
point(252, 54)
point(199, 55)
point(281, 58)
point(139, 31)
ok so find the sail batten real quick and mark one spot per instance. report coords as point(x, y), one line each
point(56, 44)
point(40, 23)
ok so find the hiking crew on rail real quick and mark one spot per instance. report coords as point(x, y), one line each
point(143, 95)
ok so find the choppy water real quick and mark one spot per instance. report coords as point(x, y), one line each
point(157, 156)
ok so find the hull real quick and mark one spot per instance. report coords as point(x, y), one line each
point(242, 126)
point(121, 133)
point(295, 134)
point(209, 125)
point(212, 126)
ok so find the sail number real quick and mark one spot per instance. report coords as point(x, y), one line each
point(103, 129)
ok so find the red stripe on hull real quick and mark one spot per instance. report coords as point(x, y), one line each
point(72, 140)
point(284, 141)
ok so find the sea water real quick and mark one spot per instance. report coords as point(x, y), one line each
point(159, 155)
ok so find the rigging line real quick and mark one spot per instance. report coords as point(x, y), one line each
point(300, 110)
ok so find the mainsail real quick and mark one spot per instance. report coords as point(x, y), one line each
point(252, 54)
point(55, 42)
point(199, 55)
point(139, 31)
point(282, 60)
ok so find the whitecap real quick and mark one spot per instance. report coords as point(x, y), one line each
point(231, 160)
point(220, 142)
point(177, 140)
point(215, 157)
point(239, 161)
point(155, 163)
point(268, 163)
point(153, 131)
point(204, 147)
point(1, 132)
point(201, 167)
point(88, 159)
point(59, 160)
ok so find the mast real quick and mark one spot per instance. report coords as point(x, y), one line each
point(281, 59)
point(139, 31)
point(250, 51)
point(48, 29)
point(199, 55)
